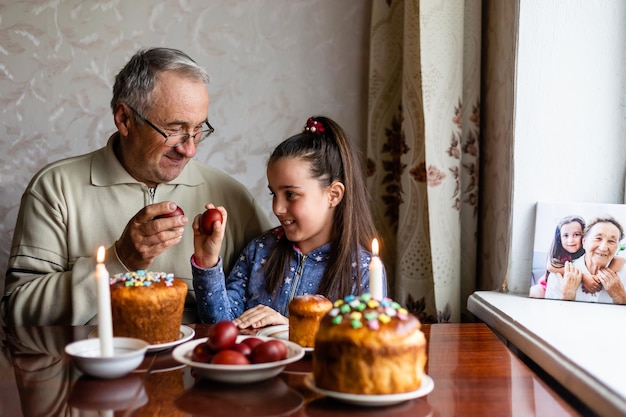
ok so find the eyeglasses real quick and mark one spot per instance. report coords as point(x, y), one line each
point(178, 139)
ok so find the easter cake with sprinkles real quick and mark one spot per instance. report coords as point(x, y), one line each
point(147, 305)
point(369, 347)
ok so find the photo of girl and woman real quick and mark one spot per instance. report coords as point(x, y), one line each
point(579, 253)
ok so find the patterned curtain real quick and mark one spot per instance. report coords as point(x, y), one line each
point(423, 153)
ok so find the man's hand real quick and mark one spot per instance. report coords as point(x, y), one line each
point(145, 237)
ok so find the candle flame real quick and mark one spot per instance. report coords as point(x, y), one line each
point(100, 256)
point(375, 247)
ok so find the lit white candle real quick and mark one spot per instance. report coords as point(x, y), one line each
point(376, 273)
point(105, 323)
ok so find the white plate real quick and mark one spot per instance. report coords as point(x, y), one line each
point(374, 400)
point(237, 374)
point(186, 333)
point(280, 331)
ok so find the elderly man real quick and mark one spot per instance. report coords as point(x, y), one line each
point(115, 195)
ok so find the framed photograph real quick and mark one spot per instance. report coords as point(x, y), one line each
point(579, 253)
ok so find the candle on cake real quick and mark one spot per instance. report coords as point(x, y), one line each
point(376, 273)
point(105, 323)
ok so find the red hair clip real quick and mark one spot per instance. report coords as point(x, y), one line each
point(314, 126)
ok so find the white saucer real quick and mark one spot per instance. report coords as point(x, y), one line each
point(186, 333)
point(237, 374)
point(280, 331)
point(374, 400)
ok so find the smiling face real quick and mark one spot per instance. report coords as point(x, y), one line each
point(177, 103)
point(571, 236)
point(303, 207)
point(601, 243)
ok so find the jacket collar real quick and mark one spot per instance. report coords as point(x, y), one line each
point(318, 254)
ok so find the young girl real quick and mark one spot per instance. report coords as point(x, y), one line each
point(319, 197)
point(566, 246)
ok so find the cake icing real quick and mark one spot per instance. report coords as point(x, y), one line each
point(366, 311)
point(143, 278)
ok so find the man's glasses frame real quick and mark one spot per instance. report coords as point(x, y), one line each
point(182, 137)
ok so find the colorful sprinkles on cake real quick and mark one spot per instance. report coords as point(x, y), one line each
point(364, 310)
point(143, 278)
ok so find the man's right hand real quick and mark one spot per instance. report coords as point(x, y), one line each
point(145, 237)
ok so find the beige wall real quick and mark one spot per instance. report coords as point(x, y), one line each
point(273, 63)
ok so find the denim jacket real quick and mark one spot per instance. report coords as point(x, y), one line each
point(226, 299)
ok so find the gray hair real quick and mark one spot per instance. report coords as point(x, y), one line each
point(136, 81)
point(605, 219)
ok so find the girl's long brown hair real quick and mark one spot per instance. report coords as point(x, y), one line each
point(331, 159)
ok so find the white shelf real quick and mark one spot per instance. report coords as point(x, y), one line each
point(581, 345)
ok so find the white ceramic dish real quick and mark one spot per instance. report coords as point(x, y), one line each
point(237, 374)
point(280, 331)
point(374, 400)
point(128, 354)
point(186, 333)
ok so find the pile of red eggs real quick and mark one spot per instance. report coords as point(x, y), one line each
point(222, 347)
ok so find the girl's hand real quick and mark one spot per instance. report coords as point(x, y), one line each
point(613, 285)
point(260, 316)
point(207, 247)
point(591, 284)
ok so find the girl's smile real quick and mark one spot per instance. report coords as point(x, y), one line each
point(301, 204)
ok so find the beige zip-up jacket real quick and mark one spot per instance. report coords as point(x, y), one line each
point(73, 206)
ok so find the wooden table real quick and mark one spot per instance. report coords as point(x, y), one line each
point(474, 374)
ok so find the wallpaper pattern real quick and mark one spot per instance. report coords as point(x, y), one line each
point(273, 63)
